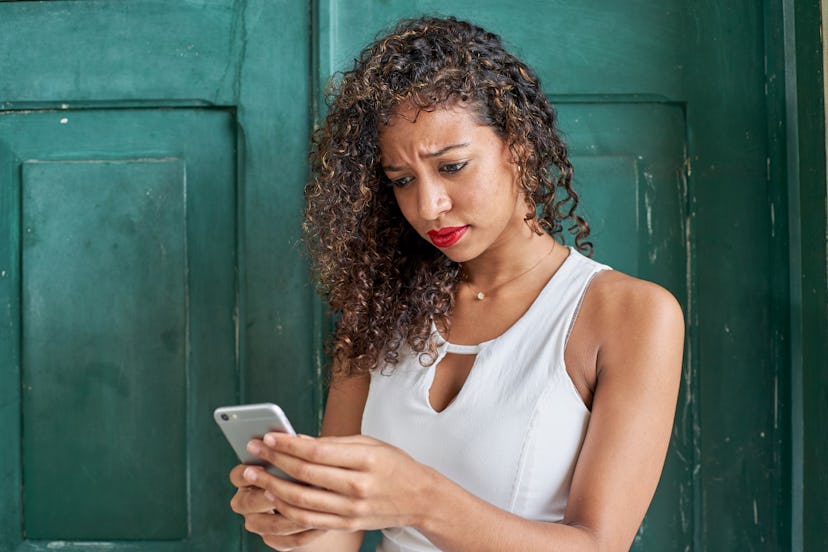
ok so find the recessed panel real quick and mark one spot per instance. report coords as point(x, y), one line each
point(105, 329)
point(93, 50)
point(630, 173)
point(607, 187)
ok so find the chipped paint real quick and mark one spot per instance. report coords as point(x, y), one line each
point(57, 545)
point(755, 513)
point(773, 219)
point(776, 401)
point(64, 121)
point(648, 208)
point(690, 498)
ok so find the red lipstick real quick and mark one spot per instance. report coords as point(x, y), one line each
point(448, 236)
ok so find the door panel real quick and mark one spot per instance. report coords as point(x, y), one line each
point(628, 161)
point(147, 52)
point(104, 330)
point(126, 227)
point(589, 47)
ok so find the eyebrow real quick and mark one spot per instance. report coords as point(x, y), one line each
point(438, 153)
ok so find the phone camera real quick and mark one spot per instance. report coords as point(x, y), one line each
point(225, 417)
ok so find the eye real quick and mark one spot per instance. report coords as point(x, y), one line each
point(453, 168)
point(400, 182)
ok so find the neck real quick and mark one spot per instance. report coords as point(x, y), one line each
point(505, 261)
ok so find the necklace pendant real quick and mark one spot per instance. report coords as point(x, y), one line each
point(480, 296)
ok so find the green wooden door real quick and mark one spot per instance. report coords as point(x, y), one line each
point(669, 112)
point(152, 159)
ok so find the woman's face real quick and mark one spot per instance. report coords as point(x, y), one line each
point(453, 179)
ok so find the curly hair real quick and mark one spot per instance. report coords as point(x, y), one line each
point(385, 283)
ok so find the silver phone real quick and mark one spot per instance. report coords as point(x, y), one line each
point(242, 423)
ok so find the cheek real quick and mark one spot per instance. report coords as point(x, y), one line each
point(498, 186)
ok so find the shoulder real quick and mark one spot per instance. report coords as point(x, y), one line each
point(618, 299)
point(632, 319)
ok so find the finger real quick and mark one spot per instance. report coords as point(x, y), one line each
point(291, 542)
point(280, 533)
point(357, 439)
point(340, 480)
point(313, 518)
point(251, 500)
point(237, 476)
point(272, 524)
point(348, 452)
point(303, 496)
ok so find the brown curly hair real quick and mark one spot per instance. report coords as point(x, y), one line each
point(385, 283)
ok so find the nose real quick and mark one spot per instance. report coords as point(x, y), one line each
point(432, 199)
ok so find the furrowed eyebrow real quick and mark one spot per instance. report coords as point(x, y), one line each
point(438, 153)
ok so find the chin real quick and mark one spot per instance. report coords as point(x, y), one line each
point(459, 254)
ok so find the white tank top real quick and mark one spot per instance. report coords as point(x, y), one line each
point(513, 433)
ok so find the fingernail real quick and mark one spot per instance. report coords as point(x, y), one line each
point(269, 440)
point(250, 474)
point(253, 447)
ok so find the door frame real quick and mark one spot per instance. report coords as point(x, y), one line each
point(805, 96)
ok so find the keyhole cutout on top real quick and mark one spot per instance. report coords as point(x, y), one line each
point(450, 375)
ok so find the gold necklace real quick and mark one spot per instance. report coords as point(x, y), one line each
point(479, 295)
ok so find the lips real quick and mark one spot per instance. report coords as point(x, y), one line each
point(448, 236)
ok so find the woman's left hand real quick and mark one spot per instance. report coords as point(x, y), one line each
point(354, 482)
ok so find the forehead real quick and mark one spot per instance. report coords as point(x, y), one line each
point(410, 126)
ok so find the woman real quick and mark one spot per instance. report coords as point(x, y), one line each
point(492, 389)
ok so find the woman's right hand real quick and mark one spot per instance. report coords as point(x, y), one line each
point(276, 531)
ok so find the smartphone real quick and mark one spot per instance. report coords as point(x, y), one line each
point(242, 423)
